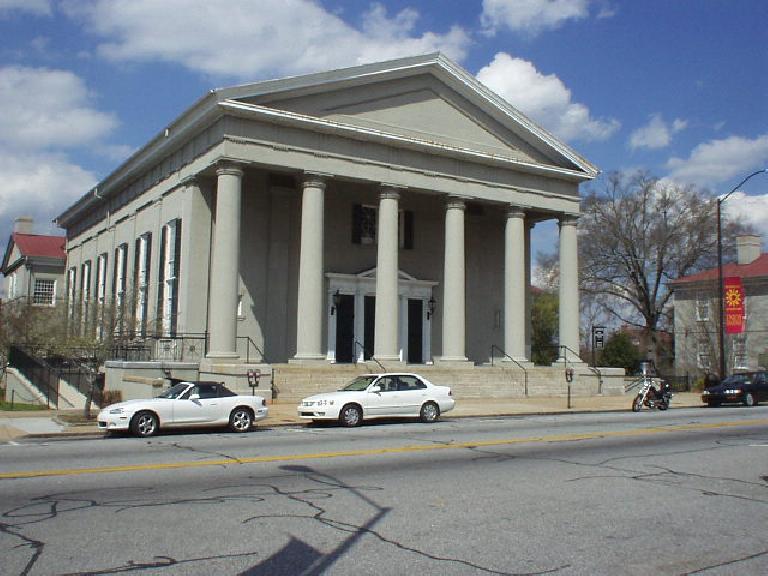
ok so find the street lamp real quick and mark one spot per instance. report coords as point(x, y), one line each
point(720, 269)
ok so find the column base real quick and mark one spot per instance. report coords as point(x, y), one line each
point(453, 361)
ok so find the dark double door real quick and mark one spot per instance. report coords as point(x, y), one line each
point(347, 348)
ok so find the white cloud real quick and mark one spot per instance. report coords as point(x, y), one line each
point(243, 39)
point(752, 209)
point(34, 6)
point(719, 161)
point(656, 134)
point(544, 98)
point(38, 184)
point(531, 16)
point(45, 108)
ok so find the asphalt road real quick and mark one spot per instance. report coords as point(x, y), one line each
point(681, 492)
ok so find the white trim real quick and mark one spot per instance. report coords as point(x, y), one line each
point(364, 284)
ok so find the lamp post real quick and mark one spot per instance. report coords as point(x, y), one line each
point(720, 201)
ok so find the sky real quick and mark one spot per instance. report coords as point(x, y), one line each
point(675, 87)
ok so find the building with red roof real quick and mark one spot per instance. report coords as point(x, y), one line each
point(33, 265)
point(697, 315)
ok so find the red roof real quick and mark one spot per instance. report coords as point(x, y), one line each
point(45, 246)
point(755, 269)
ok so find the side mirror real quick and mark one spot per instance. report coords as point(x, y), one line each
point(375, 388)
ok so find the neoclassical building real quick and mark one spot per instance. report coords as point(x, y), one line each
point(378, 211)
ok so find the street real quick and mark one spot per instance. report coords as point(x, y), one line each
point(677, 492)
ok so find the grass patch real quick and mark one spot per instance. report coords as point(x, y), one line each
point(17, 406)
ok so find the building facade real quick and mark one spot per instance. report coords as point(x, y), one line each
point(382, 211)
point(697, 315)
point(33, 266)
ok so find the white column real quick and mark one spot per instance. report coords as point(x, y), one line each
point(385, 335)
point(225, 263)
point(514, 284)
point(528, 294)
point(309, 312)
point(569, 286)
point(454, 312)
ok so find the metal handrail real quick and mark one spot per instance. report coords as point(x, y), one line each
point(594, 369)
point(364, 351)
point(525, 372)
point(248, 349)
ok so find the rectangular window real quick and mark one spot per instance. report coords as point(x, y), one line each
point(119, 285)
point(45, 292)
point(703, 352)
point(740, 359)
point(85, 291)
point(101, 293)
point(168, 285)
point(365, 226)
point(702, 307)
point(142, 266)
point(71, 293)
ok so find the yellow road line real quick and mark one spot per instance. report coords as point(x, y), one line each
point(376, 451)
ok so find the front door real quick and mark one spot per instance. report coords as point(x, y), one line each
point(415, 331)
point(345, 329)
point(369, 327)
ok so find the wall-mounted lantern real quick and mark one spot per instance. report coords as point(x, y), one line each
point(431, 307)
point(336, 299)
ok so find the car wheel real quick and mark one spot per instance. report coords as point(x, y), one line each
point(350, 416)
point(749, 399)
point(144, 424)
point(240, 420)
point(430, 412)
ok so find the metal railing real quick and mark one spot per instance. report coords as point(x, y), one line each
point(525, 372)
point(37, 372)
point(368, 353)
point(562, 353)
point(248, 344)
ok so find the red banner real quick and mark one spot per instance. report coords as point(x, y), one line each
point(733, 305)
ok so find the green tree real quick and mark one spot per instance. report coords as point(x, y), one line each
point(619, 352)
point(544, 327)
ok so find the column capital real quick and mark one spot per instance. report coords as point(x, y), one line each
point(315, 180)
point(456, 203)
point(390, 191)
point(514, 211)
point(229, 168)
point(191, 180)
point(569, 220)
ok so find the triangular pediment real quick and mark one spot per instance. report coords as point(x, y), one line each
point(424, 99)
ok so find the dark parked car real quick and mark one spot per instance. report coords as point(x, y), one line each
point(748, 388)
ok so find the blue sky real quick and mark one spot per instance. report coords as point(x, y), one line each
point(676, 87)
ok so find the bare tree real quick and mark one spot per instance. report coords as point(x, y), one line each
point(636, 234)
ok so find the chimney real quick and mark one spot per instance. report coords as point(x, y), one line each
point(748, 247)
point(23, 225)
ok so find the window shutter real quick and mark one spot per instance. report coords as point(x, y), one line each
point(408, 232)
point(357, 221)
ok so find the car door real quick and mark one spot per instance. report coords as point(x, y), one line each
point(189, 408)
point(760, 386)
point(412, 394)
point(383, 402)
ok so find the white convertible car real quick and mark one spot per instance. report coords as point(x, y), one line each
point(185, 404)
point(379, 396)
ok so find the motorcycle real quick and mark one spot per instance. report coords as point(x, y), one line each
point(648, 395)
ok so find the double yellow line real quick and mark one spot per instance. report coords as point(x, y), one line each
point(377, 451)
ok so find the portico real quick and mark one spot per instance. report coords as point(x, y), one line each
point(381, 212)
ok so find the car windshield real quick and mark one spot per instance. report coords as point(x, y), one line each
point(174, 391)
point(735, 379)
point(358, 384)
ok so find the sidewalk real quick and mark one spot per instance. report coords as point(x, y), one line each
point(52, 423)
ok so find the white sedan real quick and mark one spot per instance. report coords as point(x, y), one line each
point(379, 396)
point(185, 404)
